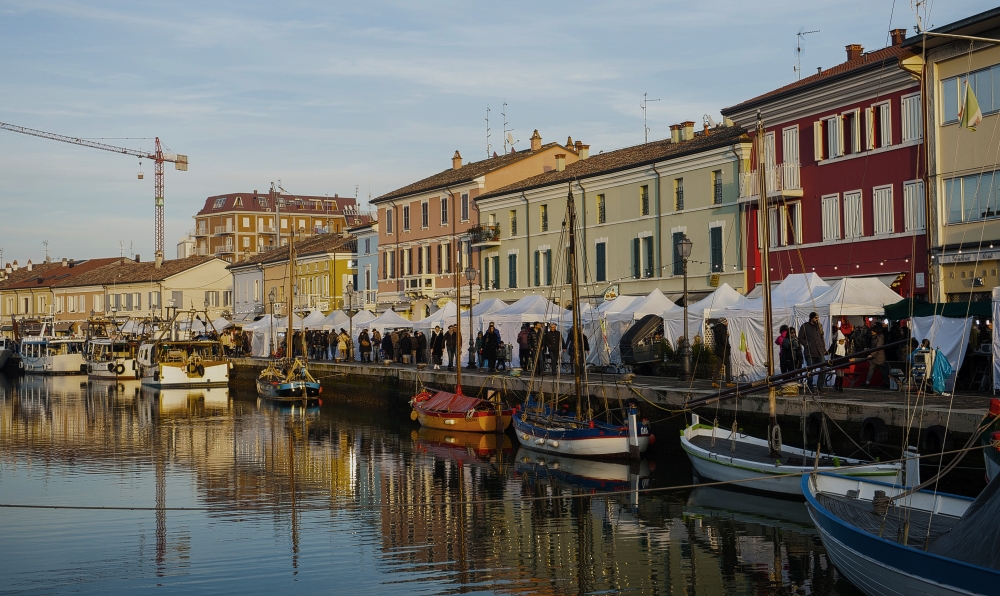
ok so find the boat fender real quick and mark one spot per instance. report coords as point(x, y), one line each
point(120, 369)
point(111, 367)
point(450, 421)
point(873, 430)
point(156, 375)
point(652, 439)
point(20, 364)
point(200, 370)
point(996, 440)
point(414, 415)
point(936, 439)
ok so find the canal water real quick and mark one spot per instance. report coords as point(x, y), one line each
point(200, 492)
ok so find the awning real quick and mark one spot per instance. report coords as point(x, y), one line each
point(901, 309)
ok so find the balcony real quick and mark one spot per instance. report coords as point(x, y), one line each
point(781, 180)
point(485, 235)
point(225, 249)
point(201, 231)
point(419, 286)
point(219, 230)
point(370, 297)
point(201, 251)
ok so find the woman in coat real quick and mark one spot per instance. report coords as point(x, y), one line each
point(387, 347)
point(365, 345)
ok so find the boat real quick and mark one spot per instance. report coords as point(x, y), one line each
point(890, 551)
point(8, 348)
point(453, 411)
point(109, 354)
point(286, 378)
point(750, 508)
point(44, 353)
point(178, 357)
point(722, 455)
point(990, 440)
point(549, 428)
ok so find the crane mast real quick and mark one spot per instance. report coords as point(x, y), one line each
point(158, 157)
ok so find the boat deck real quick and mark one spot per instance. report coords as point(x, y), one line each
point(749, 452)
point(861, 515)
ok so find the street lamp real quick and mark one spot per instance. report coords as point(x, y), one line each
point(470, 274)
point(684, 248)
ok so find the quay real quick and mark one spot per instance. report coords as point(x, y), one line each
point(659, 397)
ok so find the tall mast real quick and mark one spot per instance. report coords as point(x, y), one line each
point(291, 290)
point(575, 294)
point(764, 221)
point(458, 317)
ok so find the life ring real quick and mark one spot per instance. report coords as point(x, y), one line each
point(200, 370)
point(111, 367)
point(873, 430)
point(20, 364)
point(192, 368)
point(120, 369)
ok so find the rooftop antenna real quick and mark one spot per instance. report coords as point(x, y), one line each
point(46, 244)
point(798, 50)
point(508, 139)
point(645, 128)
point(488, 146)
point(131, 252)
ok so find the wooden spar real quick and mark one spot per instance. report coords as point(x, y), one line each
point(458, 318)
point(764, 221)
point(575, 293)
point(289, 344)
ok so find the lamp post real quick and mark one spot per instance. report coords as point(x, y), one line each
point(350, 319)
point(470, 274)
point(684, 248)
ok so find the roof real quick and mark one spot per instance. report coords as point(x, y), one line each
point(629, 157)
point(466, 173)
point(250, 202)
point(123, 271)
point(318, 244)
point(867, 61)
point(53, 274)
point(974, 25)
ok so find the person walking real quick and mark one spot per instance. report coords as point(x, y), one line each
point(491, 343)
point(365, 343)
point(341, 347)
point(790, 354)
point(376, 345)
point(450, 340)
point(476, 359)
point(387, 353)
point(877, 359)
point(437, 347)
point(406, 347)
point(551, 343)
point(814, 344)
point(421, 346)
point(522, 345)
point(723, 353)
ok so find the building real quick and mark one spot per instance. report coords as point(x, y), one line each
point(425, 228)
point(236, 226)
point(367, 286)
point(42, 290)
point(963, 215)
point(842, 163)
point(633, 206)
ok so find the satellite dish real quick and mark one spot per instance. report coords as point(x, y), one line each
point(711, 122)
point(510, 139)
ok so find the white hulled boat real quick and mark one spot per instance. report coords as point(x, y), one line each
point(181, 357)
point(45, 353)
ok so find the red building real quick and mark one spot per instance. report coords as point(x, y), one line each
point(843, 155)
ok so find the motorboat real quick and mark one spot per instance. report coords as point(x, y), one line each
point(47, 354)
point(179, 357)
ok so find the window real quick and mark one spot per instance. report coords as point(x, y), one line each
point(246, 242)
point(854, 226)
point(679, 194)
point(647, 256)
point(913, 126)
point(644, 200)
point(601, 213)
point(882, 209)
point(447, 258)
point(420, 259)
point(774, 226)
point(791, 223)
point(715, 248)
point(602, 261)
point(852, 131)
point(212, 298)
point(790, 145)
point(543, 267)
point(513, 223)
point(406, 218)
point(246, 222)
point(538, 274)
point(220, 202)
point(388, 221)
point(985, 84)
point(99, 303)
point(154, 299)
point(543, 218)
point(465, 206)
point(261, 202)
point(495, 277)
point(717, 187)
point(834, 136)
point(913, 205)
point(368, 246)
point(440, 258)
point(678, 268)
point(444, 211)
point(512, 271)
point(548, 267)
point(59, 304)
point(227, 298)
point(831, 217)
point(971, 198)
point(424, 215)
point(883, 121)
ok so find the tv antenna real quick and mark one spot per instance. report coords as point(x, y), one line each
point(645, 128)
point(45, 243)
point(798, 50)
point(508, 139)
point(488, 146)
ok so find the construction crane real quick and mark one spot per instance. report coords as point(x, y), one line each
point(158, 157)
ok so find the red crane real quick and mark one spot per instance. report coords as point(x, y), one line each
point(158, 157)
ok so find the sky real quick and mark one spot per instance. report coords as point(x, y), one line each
point(362, 97)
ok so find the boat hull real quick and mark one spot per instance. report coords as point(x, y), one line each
point(177, 375)
point(720, 466)
point(479, 422)
point(119, 369)
point(877, 566)
point(61, 364)
point(600, 441)
point(4, 356)
point(290, 391)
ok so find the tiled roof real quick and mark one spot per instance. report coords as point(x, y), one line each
point(249, 204)
point(466, 173)
point(869, 60)
point(629, 157)
point(313, 245)
point(54, 274)
point(123, 271)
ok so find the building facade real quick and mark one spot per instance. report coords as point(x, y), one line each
point(42, 290)
point(367, 286)
point(427, 229)
point(633, 206)
point(841, 159)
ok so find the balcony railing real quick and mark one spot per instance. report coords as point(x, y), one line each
point(225, 249)
point(781, 179)
point(201, 231)
point(369, 296)
point(225, 230)
point(485, 235)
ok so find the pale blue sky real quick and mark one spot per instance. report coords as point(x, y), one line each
point(327, 95)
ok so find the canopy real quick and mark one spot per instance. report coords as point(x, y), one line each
point(850, 296)
point(490, 305)
point(901, 310)
point(617, 324)
point(673, 322)
point(336, 320)
point(362, 316)
point(595, 326)
point(444, 316)
point(314, 320)
point(388, 320)
point(509, 320)
point(948, 334)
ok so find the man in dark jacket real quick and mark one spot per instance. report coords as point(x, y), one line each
point(450, 340)
point(552, 343)
point(421, 347)
point(814, 345)
point(523, 348)
point(491, 342)
point(877, 359)
point(387, 346)
point(723, 353)
point(569, 346)
point(406, 346)
point(437, 347)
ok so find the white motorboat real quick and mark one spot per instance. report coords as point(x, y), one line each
point(111, 359)
point(46, 354)
point(180, 357)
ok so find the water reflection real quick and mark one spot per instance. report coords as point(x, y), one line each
point(364, 499)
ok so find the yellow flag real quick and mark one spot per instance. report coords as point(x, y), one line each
point(969, 114)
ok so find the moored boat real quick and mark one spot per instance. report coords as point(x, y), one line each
point(288, 381)
point(181, 358)
point(45, 353)
point(560, 432)
point(445, 410)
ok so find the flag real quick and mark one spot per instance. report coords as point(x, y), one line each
point(745, 348)
point(969, 114)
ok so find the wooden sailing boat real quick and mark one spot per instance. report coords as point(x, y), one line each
point(287, 379)
point(544, 427)
point(765, 464)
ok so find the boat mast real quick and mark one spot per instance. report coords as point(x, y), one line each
point(575, 294)
point(764, 223)
point(289, 343)
point(458, 314)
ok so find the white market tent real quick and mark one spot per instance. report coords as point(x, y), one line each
point(269, 331)
point(698, 313)
point(848, 297)
point(336, 320)
point(482, 313)
point(314, 320)
point(444, 316)
point(951, 336)
point(618, 323)
point(363, 316)
point(357, 322)
point(595, 326)
point(526, 310)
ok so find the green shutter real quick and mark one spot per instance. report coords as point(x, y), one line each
point(601, 261)
point(538, 269)
point(649, 256)
point(548, 267)
point(635, 259)
point(715, 239)
point(678, 261)
point(511, 271)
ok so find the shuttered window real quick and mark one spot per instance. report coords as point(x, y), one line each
point(831, 217)
point(834, 136)
point(495, 278)
point(853, 217)
point(678, 268)
point(548, 267)
point(512, 271)
point(913, 205)
point(636, 267)
point(715, 246)
point(602, 256)
point(913, 126)
point(647, 265)
point(818, 140)
point(884, 116)
point(538, 269)
point(882, 209)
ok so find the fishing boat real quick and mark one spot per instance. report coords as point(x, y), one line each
point(877, 536)
point(109, 354)
point(286, 378)
point(550, 428)
point(8, 348)
point(44, 353)
point(179, 357)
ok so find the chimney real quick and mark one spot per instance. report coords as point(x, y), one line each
point(705, 128)
point(30, 265)
point(137, 259)
point(854, 51)
point(577, 146)
point(15, 265)
point(456, 160)
point(64, 264)
point(675, 133)
point(819, 69)
point(688, 130)
point(560, 162)
point(536, 141)
point(72, 263)
point(898, 35)
point(584, 150)
point(569, 142)
point(159, 261)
